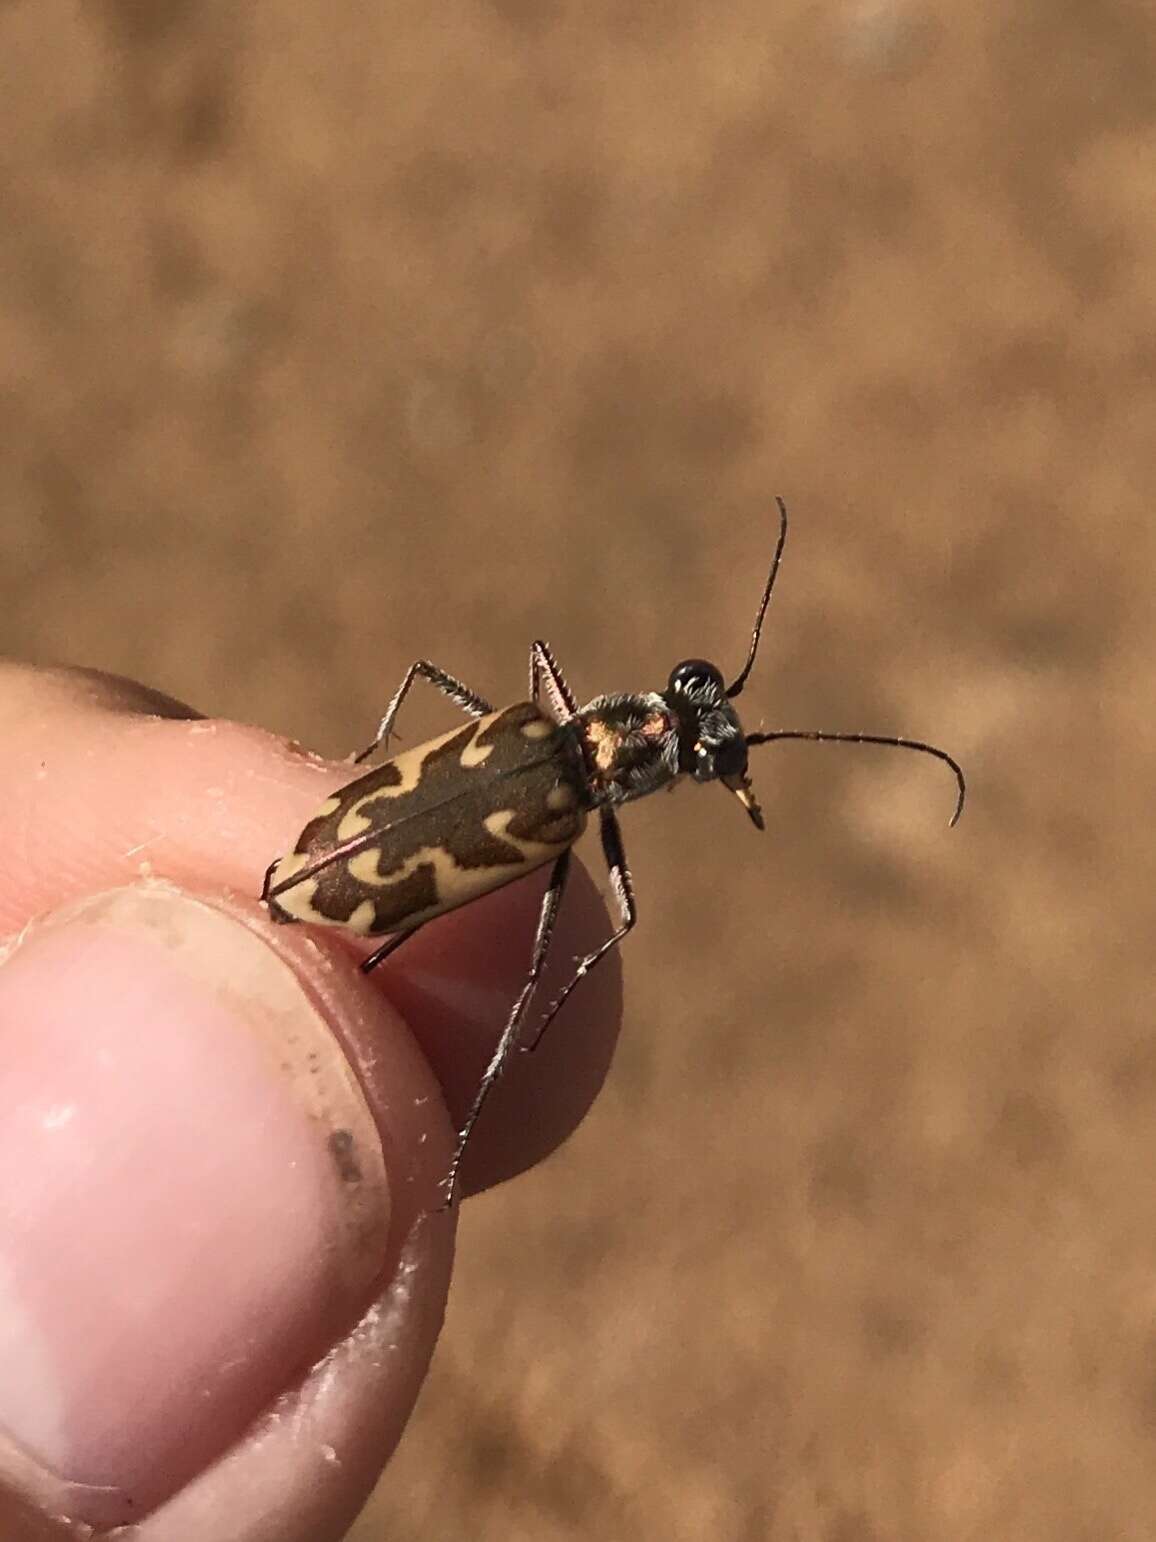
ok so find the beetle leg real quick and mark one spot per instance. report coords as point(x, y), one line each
point(382, 953)
point(623, 887)
point(544, 666)
point(547, 915)
point(461, 695)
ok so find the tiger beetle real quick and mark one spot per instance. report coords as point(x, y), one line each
point(438, 825)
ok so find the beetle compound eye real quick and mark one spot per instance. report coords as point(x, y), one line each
point(696, 677)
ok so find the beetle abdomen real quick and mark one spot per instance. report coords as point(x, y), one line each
point(436, 826)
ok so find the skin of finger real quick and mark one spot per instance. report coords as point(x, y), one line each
point(96, 794)
point(304, 1470)
point(304, 1473)
point(26, 688)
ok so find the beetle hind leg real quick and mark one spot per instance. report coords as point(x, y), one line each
point(547, 915)
point(461, 695)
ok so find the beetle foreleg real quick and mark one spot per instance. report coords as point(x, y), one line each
point(547, 915)
point(621, 883)
point(461, 695)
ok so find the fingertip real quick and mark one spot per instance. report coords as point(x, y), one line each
point(214, 1161)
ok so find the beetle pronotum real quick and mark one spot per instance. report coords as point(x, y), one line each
point(445, 822)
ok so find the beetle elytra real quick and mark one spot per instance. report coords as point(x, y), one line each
point(440, 824)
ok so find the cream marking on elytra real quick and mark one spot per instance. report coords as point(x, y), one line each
point(409, 764)
point(365, 866)
point(299, 901)
point(475, 754)
point(534, 851)
point(449, 875)
point(537, 728)
point(362, 919)
point(354, 822)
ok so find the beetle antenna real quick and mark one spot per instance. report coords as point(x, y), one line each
point(741, 680)
point(889, 739)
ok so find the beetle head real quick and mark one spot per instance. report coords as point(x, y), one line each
point(712, 745)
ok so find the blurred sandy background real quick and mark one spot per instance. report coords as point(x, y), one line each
point(334, 335)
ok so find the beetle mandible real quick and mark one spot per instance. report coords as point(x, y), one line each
point(441, 824)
